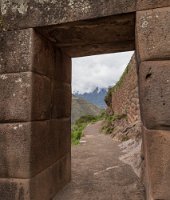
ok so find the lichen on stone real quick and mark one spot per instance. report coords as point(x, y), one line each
point(20, 6)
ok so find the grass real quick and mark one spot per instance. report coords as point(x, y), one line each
point(108, 126)
point(82, 122)
point(80, 125)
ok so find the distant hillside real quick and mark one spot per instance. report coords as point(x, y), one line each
point(96, 97)
point(80, 107)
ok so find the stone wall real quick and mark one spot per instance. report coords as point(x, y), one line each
point(35, 105)
point(125, 97)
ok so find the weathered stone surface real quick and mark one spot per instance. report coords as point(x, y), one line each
point(16, 14)
point(15, 51)
point(61, 128)
point(41, 97)
point(43, 55)
point(103, 35)
point(155, 93)
point(63, 67)
point(153, 38)
point(26, 50)
point(15, 149)
point(125, 99)
point(44, 186)
point(24, 97)
point(61, 100)
point(157, 145)
point(50, 141)
point(14, 189)
point(28, 148)
point(148, 4)
point(95, 49)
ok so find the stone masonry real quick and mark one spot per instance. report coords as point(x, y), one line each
point(125, 98)
point(37, 40)
point(35, 116)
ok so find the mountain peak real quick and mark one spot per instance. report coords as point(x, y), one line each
point(96, 97)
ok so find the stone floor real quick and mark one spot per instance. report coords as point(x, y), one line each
point(97, 172)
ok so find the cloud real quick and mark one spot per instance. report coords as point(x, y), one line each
point(99, 71)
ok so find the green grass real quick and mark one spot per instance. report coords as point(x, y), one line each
point(108, 125)
point(80, 125)
point(82, 122)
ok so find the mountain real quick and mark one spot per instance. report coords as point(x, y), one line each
point(81, 107)
point(96, 97)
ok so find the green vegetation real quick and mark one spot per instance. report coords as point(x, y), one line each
point(82, 122)
point(80, 125)
point(108, 97)
point(108, 125)
point(81, 107)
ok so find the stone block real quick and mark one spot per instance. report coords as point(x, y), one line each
point(63, 68)
point(44, 186)
point(154, 79)
point(41, 97)
point(149, 4)
point(153, 38)
point(61, 100)
point(25, 97)
point(15, 148)
point(26, 50)
point(157, 150)
point(43, 55)
point(15, 189)
point(15, 51)
point(62, 127)
point(42, 13)
point(26, 149)
point(50, 141)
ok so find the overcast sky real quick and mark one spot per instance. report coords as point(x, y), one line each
point(98, 71)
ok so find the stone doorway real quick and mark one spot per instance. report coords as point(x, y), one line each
point(35, 81)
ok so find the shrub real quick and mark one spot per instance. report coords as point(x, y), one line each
point(108, 125)
point(80, 125)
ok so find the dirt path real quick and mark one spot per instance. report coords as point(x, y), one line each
point(97, 172)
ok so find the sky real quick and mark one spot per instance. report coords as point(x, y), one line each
point(99, 71)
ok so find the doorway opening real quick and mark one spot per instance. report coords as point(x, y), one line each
point(83, 39)
point(99, 157)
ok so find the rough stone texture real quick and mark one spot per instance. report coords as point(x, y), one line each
point(149, 4)
point(103, 35)
point(63, 68)
point(61, 128)
point(61, 100)
point(153, 38)
point(31, 91)
point(154, 94)
point(26, 50)
point(44, 186)
point(24, 14)
point(15, 148)
point(157, 151)
point(125, 100)
point(103, 48)
point(28, 148)
point(43, 55)
point(14, 189)
point(34, 148)
point(24, 97)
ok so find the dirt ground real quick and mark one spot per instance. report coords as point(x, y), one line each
point(98, 173)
